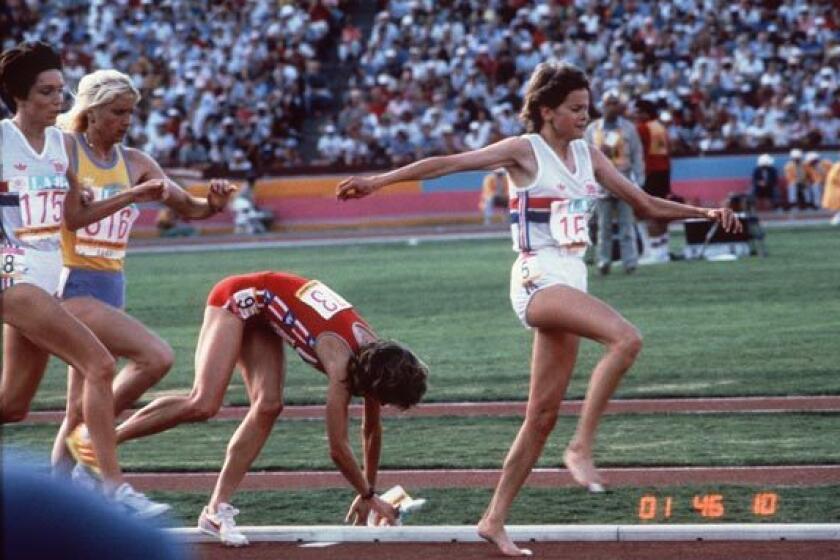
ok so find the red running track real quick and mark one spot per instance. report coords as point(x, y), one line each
point(517, 408)
point(800, 475)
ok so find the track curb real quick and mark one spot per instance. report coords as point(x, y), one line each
point(531, 533)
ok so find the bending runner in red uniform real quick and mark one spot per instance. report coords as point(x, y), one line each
point(245, 322)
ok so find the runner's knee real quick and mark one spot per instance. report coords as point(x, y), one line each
point(542, 419)
point(202, 408)
point(158, 360)
point(268, 408)
point(100, 369)
point(629, 343)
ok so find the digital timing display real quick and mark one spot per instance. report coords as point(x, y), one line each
point(708, 506)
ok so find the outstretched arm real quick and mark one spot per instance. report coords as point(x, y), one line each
point(186, 205)
point(647, 206)
point(190, 206)
point(505, 153)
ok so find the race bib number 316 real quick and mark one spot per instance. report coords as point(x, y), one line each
point(322, 299)
point(108, 237)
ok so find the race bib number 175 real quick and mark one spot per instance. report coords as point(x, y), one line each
point(41, 204)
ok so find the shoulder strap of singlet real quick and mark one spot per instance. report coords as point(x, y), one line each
point(122, 153)
point(74, 152)
point(539, 146)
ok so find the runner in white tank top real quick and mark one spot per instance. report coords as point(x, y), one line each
point(556, 188)
point(549, 222)
point(32, 190)
point(557, 176)
point(32, 195)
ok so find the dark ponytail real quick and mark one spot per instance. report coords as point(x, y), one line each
point(19, 69)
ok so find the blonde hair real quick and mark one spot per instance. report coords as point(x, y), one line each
point(95, 90)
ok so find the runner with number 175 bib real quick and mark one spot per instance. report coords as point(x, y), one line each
point(34, 183)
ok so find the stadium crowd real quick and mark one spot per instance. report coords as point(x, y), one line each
point(236, 81)
point(217, 78)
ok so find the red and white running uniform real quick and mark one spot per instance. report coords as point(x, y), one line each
point(297, 309)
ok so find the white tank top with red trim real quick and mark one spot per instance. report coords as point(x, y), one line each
point(554, 209)
point(32, 189)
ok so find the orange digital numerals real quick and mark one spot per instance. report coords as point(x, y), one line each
point(649, 505)
point(709, 505)
point(765, 504)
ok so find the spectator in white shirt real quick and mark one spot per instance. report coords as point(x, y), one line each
point(240, 164)
point(476, 138)
point(330, 146)
point(509, 124)
point(772, 78)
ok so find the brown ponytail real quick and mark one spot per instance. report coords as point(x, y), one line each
point(389, 372)
point(548, 87)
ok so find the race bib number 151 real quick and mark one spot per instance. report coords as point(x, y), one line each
point(569, 223)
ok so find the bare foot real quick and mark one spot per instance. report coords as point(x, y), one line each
point(583, 470)
point(500, 538)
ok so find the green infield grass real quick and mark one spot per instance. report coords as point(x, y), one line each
point(464, 506)
point(757, 326)
point(464, 443)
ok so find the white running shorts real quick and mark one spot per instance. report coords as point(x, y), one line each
point(534, 271)
point(29, 266)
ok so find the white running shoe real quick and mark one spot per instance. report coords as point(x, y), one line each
point(222, 525)
point(138, 503)
point(83, 478)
